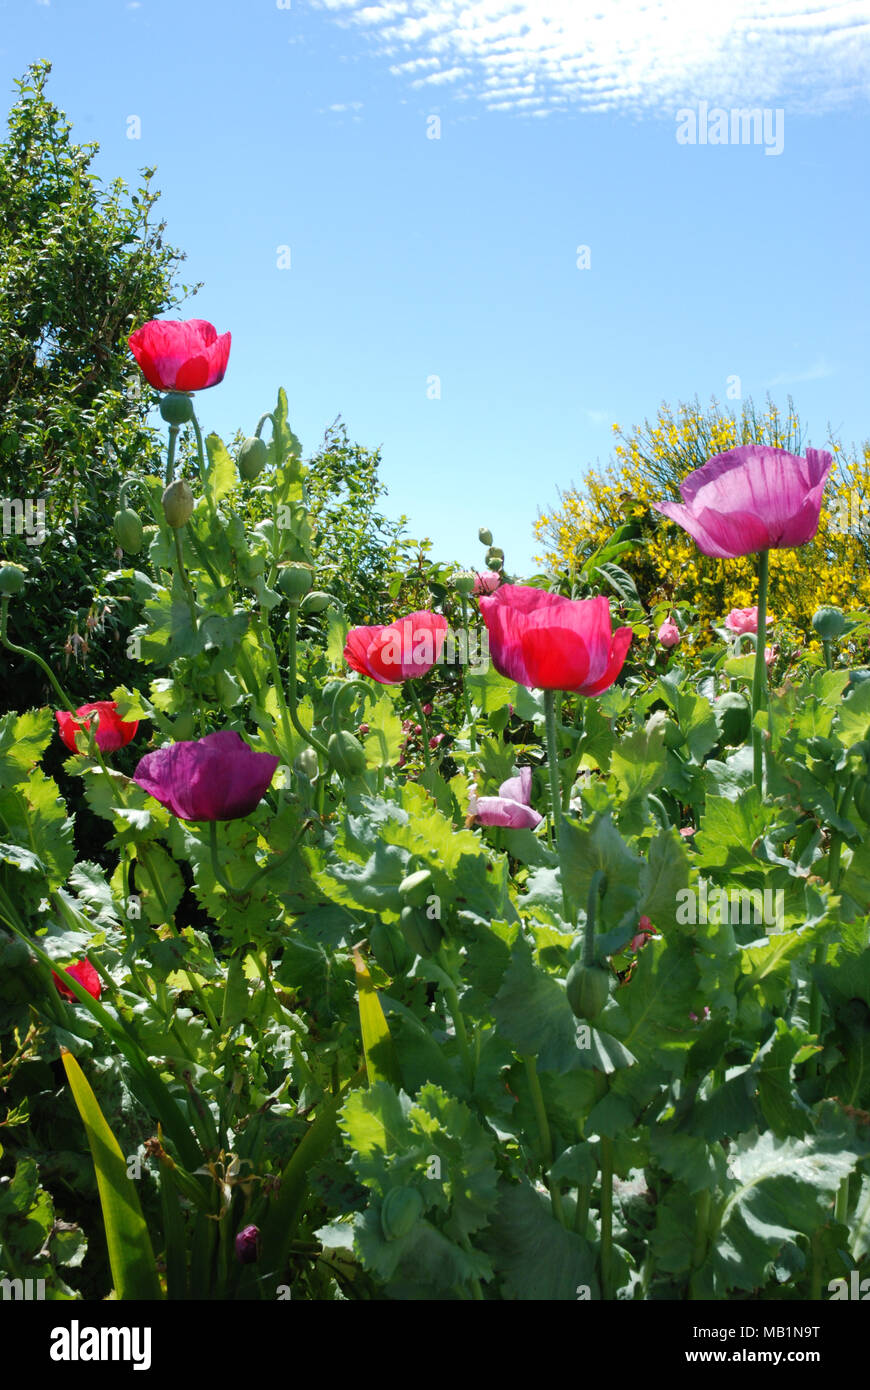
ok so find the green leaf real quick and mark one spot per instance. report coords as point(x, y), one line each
point(220, 477)
point(533, 1255)
point(23, 740)
point(130, 1254)
point(380, 1055)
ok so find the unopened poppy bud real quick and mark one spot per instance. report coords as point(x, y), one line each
point(829, 622)
point(11, 580)
point(346, 754)
point(295, 581)
point(128, 530)
point(178, 504)
point(252, 458)
point(463, 582)
point(248, 1245)
point(495, 562)
point(176, 408)
point(315, 602)
point(415, 889)
point(485, 535)
point(306, 763)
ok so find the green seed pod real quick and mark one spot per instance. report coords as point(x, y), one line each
point(415, 889)
point(390, 949)
point(422, 933)
point(176, 408)
point(829, 622)
point(346, 754)
point(495, 562)
point(11, 580)
point(178, 504)
point(315, 602)
point(588, 989)
point(252, 458)
point(295, 581)
point(306, 764)
point(733, 718)
point(128, 529)
point(484, 535)
point(400, 1211)
point(463, 582)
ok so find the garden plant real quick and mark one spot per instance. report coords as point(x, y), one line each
point(511, 943)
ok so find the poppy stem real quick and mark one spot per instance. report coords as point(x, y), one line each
point(170, 453)
point(544, 1135)
point(471, 734)
point(24, 651)
point(553, 765)
point(292, 698)
point(423, 725)
point(759, 679)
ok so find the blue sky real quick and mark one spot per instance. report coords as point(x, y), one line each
point(306, 125)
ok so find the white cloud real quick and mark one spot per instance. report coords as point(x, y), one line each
point(635, 56)
point(818, 372)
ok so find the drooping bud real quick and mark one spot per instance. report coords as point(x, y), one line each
point(416, 888)
point(252, 458)
point(390, 949)
point(128, 530)
point(178, 504)
point(306, 763)
point(176, 408)
point(588, 988)
point(346, 754)
point(315, 602)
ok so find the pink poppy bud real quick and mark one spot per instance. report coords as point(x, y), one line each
point(85, 975)
point(248, 1245)
point(669, 634)
point(741, 620)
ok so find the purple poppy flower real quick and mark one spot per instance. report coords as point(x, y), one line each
point(248, 1245)
point(512, 805)
point(750, 499)
point(218, 777)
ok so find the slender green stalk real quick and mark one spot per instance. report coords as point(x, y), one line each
point(759, 678)
point(142, 855)
point(472, 738)
point(183, 576)
point(606, 1253)
point(452, 997)
point(292, 697)
point(553, 765)
point(423, 725)
point(581, 1214)
point(545, 1136)
point(820, 955)
point(841, 1206)
point(826, 648)
point(703, 1208)
point(170, 453)
point(261, 627)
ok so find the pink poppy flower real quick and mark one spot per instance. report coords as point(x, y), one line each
point(512, 807)
point(85, 975)
point(112, 732)
point(669, 634)
point(218, 777)
point(744, 620)
point(547, 642)
point(398, 651)
point(176, 355)
point(488, 581)
point(751, 498)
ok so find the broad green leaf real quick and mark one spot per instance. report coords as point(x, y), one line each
point(381, 1063)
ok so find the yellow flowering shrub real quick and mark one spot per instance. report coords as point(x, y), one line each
point(666, 565)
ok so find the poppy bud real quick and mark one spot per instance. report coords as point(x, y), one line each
point(176, 408)
point(306, 764)
point(400, 1211)
point(463, 582)
point(485, 536)
point(346, 754)
point(128, 529)
point(390, 949)
point(422, 933)
point(588, 988)
point(415, 889)
point(11, 580)
point(252, 458)
point(315, 602)
point(248, 1245)
point(295, 581)
point(829, 622)
point(178, 504)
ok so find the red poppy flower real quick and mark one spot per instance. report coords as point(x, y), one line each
point(85, 974)
point(112, 732)
point(547, 642)
point(181, 356)
point(397, 652)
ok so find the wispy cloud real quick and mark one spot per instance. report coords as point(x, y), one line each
point(634, 56)
point(817, 372)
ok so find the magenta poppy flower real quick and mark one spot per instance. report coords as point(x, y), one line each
point(181, 356)
point(218, 777)
point(488, 581)
point(399, 651)
point(548, 642)
point(112, 731)
point(752, 498)
point(742, 620)
point(512, 807)
point(85, 974)
point(669, 634)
